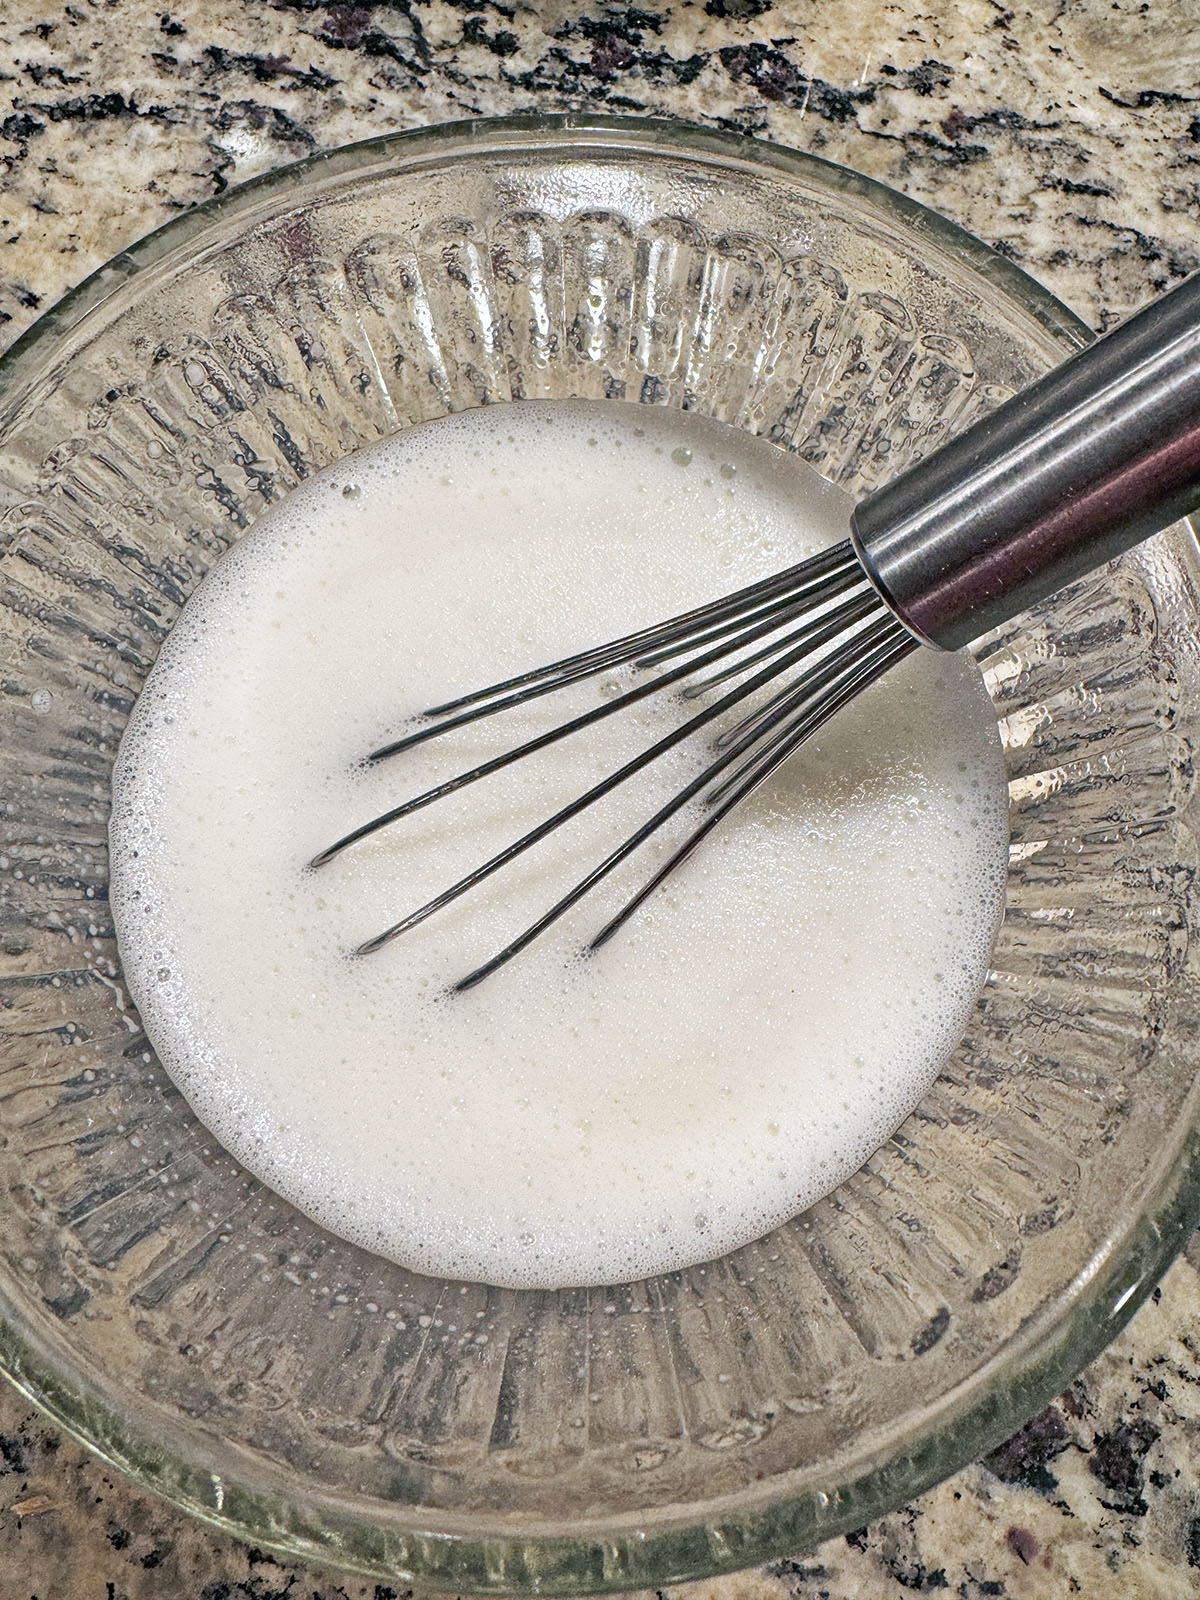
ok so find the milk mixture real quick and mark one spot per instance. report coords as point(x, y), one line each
point(742, 1045)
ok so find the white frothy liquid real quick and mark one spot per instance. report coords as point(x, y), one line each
point(736, 1051)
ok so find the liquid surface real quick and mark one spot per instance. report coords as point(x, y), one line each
point(739, 1049)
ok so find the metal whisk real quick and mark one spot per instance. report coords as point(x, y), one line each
point(1095, 457)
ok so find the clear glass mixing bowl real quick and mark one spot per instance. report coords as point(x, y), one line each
point(219, 1347)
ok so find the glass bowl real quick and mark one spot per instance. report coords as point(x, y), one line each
point(217, 1346)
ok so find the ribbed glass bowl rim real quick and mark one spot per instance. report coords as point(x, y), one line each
point(674, 1542)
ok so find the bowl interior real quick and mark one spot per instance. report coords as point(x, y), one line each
point(208, 1338)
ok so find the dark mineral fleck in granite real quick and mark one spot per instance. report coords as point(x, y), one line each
point(1064, 132)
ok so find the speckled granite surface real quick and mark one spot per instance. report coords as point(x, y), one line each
point(1065, 132)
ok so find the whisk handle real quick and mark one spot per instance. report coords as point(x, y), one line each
point(1085, 463)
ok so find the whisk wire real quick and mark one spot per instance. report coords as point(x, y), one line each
point(790, 602)
point(798, 579)
point(702, 686)
point(782, 608)
point(798, 726)
point(822, 672)
point(820, 697)
point(731, 793)
point(599, 790)
point(814, 632)
point(821, 617)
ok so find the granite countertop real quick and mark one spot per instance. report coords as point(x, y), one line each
point(1064, 132)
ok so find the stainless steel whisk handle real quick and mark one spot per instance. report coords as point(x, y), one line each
point(1087, 462)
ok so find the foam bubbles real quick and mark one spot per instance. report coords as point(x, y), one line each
point(739, 1049)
